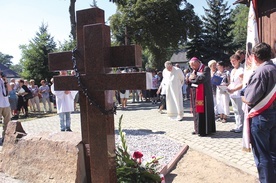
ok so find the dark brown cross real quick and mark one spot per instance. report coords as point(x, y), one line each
point(94, 58)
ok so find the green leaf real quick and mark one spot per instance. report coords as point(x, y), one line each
point(129, 170)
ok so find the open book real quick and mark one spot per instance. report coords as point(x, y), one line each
point(216, 80)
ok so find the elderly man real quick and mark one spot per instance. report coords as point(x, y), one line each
point(260, 95)
point(173, 79)
point(201, 98)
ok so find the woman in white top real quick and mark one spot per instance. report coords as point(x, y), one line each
point(222, 97)
point(44, 90)
point(212, 64)
point(236, 79)
point(35, 99)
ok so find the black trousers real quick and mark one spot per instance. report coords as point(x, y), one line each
point(21, 103)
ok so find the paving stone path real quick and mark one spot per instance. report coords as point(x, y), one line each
point(224, 145)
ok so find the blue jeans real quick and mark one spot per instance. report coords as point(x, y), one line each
point(64, 117)
point(263, 140)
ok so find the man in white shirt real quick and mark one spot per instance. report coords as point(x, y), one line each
point(5, 110)
point(65, 105)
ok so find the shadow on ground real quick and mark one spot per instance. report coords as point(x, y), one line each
point(226, 134)
point(170, 177)
point(140, 132)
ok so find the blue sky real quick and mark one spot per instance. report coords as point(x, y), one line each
point(20, 20)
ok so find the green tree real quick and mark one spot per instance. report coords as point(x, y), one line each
point(240, 17)
point(5, 59)
point(122, 2)
point(118, 30)
point(73, 17)
point(17, 68)
point(217, 31)
point(195, 47)
point(35, 55)
point(67, 45)
point(157, 25)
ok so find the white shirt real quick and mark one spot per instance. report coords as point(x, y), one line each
point(4, 100)
point(163, 88)
point(65, 102)
point(236, 81)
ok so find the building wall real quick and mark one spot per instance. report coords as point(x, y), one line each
point(267, 21)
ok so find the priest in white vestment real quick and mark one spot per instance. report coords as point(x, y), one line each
point(173, 79)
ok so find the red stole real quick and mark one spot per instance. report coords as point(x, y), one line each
point(200, 94)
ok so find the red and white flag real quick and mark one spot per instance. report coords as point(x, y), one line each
point(249, 66)
point(251, 40)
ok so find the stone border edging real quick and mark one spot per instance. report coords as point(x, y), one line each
point(167, 168)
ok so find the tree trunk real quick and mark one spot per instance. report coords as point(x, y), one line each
point(72, 18)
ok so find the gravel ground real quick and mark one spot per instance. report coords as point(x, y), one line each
point(151, 144)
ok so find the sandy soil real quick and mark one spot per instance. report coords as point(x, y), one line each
point(196, 167)
point(193, 167)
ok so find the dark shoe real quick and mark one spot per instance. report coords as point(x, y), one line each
point(202, 135)
point(179, 118)
point(62, 130)
point(68, 130)
point(194, 133)
point(237, 131)
point(25, 116)
point(14, 117)
point(233, 130)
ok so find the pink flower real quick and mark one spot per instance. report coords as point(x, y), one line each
point(154, 160)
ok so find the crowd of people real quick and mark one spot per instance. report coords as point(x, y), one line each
point(20, 96)
point(212, 89)
point(252, 94)
point(24, 95)
point(216, 88)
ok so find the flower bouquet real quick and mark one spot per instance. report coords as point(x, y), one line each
point(131, 169)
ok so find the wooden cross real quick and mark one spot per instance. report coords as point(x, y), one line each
point(94, 59)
